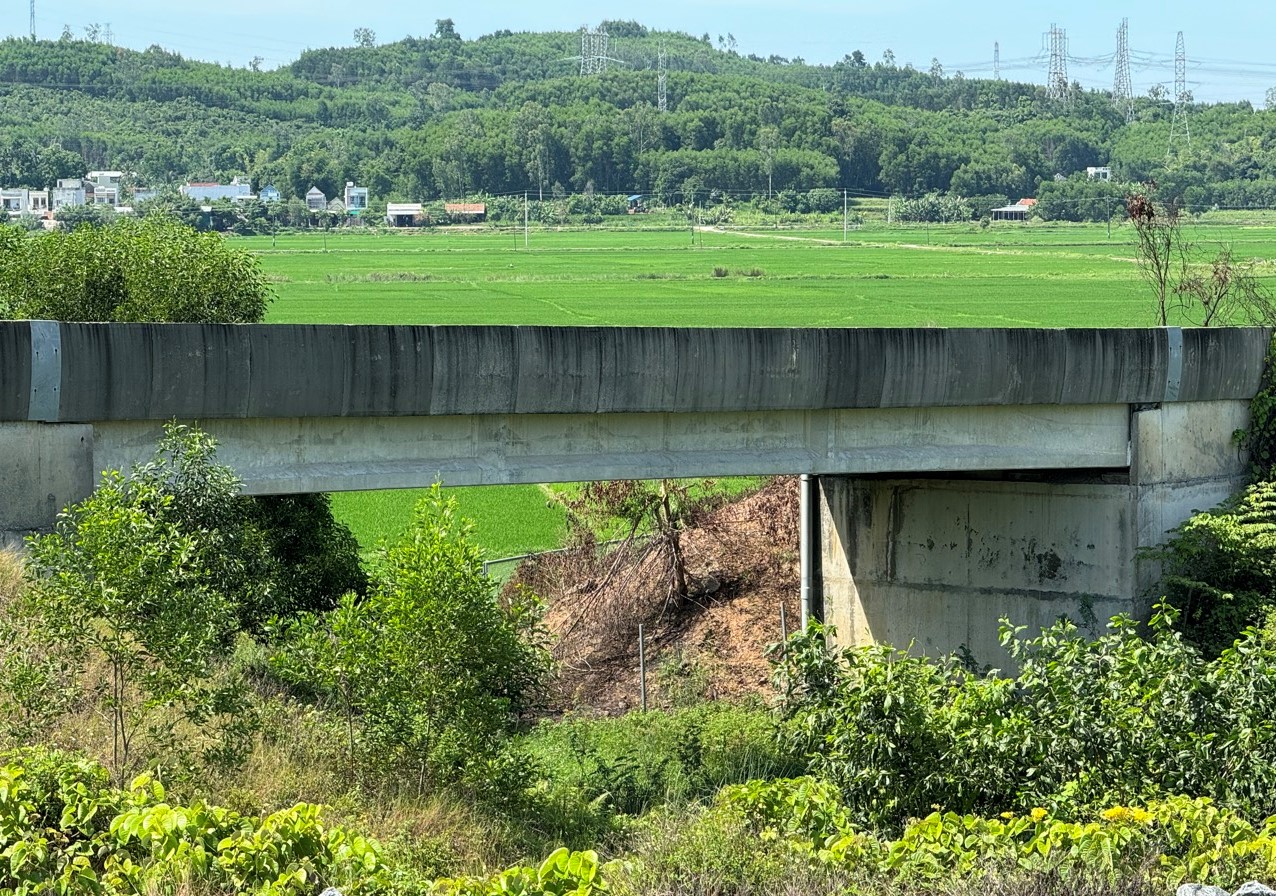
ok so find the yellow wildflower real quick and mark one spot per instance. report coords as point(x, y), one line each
point(1038, 814)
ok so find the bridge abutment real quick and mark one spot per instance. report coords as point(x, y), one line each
point(43, 469)
point(936, 561)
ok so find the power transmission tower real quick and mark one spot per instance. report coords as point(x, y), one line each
point(662, 85)
point(593, 51)
point(1057, 76)
point(1178, 123)
point(996, 61)
point(1122, 90)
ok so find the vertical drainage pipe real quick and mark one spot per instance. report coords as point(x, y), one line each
point(808, 503)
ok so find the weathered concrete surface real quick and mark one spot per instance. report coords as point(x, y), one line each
point(189, 371)
point(935, 562)
point(343, 454)
point(42, 470)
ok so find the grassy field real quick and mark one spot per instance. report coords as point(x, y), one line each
point(955, 275)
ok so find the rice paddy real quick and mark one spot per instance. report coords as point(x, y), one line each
point(1009, 275)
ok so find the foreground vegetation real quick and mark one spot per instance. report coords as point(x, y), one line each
point(204, 742)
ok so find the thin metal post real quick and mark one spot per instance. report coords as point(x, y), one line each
point(843, 216)
point(642, 666)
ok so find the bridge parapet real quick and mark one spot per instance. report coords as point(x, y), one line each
point(75, 373)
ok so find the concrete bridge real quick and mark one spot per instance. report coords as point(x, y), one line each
point(951, 476)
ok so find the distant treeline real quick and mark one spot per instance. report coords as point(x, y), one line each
point(446, 117)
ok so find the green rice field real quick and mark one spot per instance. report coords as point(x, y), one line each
point(1009, 275)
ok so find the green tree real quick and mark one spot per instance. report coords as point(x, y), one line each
point(1219, 569)
point(429, 670)
point(149, 270)
point(122, 581)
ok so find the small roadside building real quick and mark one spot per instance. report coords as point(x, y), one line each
point(404, 214)
point(1017, 212)
point(467, 212)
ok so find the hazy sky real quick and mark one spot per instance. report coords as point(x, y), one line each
point(1228, 43)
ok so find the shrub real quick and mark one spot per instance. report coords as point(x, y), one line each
point(1219, 569)
point(63, 830)
point(1084, 723)
point(153, 269)
point(641, 760)
point(430, 672)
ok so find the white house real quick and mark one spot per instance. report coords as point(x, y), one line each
point(356, 198)
point(210, 191)
point(404, 214)
point(69, 191)
point(103, 187)
point(21, 201)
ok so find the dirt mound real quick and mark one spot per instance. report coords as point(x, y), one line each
point(742, 567)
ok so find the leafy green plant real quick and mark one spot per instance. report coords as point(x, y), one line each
point(428, 670)
point(1219, 568)
point(1084, 723)
point(118, 580)
point(153, 269)
point(563, 873)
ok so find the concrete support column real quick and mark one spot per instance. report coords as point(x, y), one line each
point(935, 562)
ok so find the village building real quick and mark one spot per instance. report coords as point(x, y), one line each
point(404, 214)
point(1017, 212)
point(356, 199)
point(211, 191)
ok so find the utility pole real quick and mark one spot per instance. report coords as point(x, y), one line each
point(662, 85)
point(1122, 91)
point(1057, 76)
point(843, 216)
point(33, 20)
point(525, 236)
point(1178, 123)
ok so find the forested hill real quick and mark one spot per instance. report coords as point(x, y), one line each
point(444, 116)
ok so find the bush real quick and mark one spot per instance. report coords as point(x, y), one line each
point(429, 670)
point(129, 270)
point(641, 760)
point(1164, 842)
point(1219, 569)
point(128, 579)
point(314, 558)
point(63, 830)
point(937, 208)
point(1084, 723)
